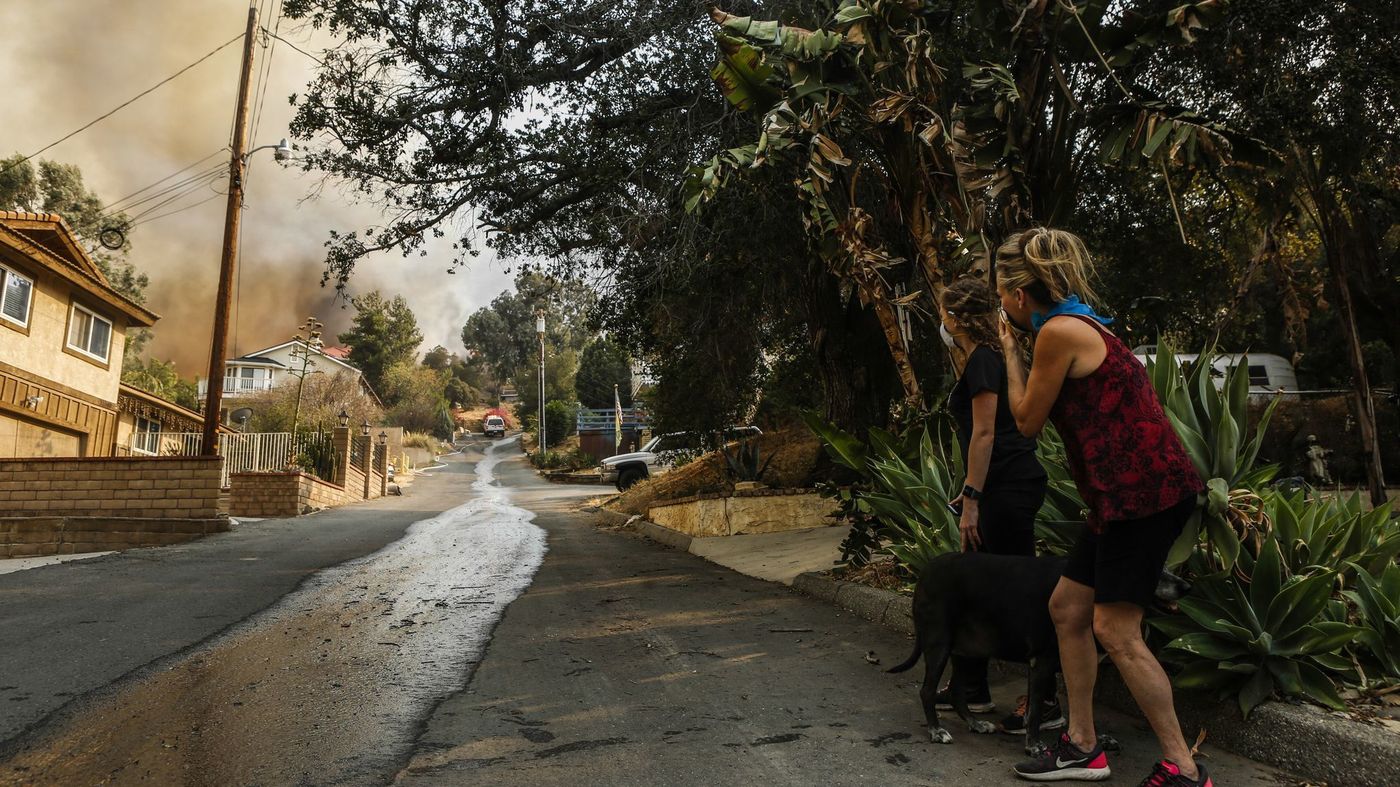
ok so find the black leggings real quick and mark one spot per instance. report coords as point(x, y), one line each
point(1006, 518)
point(1006, 522)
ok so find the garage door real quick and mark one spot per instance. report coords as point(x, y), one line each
point(21, 437)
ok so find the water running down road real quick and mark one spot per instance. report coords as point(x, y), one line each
point(329, 685)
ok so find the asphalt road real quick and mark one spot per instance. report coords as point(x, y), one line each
point(622, 663)
point(628, 663)
point(69, 630)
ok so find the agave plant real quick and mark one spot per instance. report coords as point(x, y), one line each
point(912, 501)
point(1273, 636)
point(1213, 424)
point(907, 482)
point(1332, 533)
point(1377, 600)
point(1061, 518)
point(743, 463)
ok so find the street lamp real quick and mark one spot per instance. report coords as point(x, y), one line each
point(343, 418)
point(364, 428)
point(539, 329)
point(383, 438)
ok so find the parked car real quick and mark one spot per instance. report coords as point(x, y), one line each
point(494, 426)
point(663, 452)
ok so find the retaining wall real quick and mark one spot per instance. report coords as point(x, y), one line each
point(152, 487)
point(39, 536)
point(747, 512)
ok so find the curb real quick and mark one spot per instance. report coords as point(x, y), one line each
point(1303, 739)
point(651, 530)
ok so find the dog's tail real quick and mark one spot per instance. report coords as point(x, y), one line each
point(913, 657)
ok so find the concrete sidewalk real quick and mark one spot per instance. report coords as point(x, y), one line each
point(773, 557)
point(776, 557)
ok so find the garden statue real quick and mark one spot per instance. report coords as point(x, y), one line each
point(1317, 462)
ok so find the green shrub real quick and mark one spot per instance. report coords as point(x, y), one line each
point(569, 461)
point(559, 421)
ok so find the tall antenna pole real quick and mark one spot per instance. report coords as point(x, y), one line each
point(218, 346)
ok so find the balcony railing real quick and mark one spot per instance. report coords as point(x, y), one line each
point(238, 386)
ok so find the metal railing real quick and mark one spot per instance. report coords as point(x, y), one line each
point(247, 453)
point(604, 419)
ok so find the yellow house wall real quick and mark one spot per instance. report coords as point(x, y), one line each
point(41, 353)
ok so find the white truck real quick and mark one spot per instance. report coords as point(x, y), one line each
point(661, 453)
point(494, 426)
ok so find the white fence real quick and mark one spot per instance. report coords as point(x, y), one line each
point(242, 453)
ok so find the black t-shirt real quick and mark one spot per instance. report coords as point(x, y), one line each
point(1013, 454)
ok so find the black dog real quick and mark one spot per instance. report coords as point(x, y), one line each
point(985, 606)
point(993, 606)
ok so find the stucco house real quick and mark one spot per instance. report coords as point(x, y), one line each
point(273, 366)
point(62, 333)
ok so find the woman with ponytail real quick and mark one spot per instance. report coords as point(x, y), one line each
point(1005, 484)
point(1134, 475)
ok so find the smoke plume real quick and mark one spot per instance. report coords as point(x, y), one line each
point(69, 61)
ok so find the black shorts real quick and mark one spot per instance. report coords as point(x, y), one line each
point(1124, 562)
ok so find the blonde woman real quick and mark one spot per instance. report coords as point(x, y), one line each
point(1133, 474)
point(1005, 484)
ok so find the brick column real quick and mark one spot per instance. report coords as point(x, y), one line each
point(367, 451)
point(381, 464)
point(340, 439)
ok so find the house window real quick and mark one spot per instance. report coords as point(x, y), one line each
point(15, 295)
point(89, 334)
point(146, 438)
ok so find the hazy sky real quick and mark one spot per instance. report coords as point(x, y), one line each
point(68, 61)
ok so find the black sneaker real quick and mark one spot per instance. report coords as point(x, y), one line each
point(1167, 774)
point(1051, 717)
point(978, 701)
point(1063, 761)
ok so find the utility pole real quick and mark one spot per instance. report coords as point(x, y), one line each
point(539, 329)
point(223, 304)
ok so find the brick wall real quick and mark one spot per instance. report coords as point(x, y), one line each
point(355, 481)
point(286, 493)
point(154, 487)
point(36, 536)
point(320, 494)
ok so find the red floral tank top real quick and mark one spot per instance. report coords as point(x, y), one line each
point(1123, 453)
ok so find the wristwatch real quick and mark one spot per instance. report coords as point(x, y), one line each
point(970, 493)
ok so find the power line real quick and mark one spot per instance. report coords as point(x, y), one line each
point(188, 190)
point(266, 76)
point(124, 105)
point(112, 205)
point(180, 210)
point(202, 175)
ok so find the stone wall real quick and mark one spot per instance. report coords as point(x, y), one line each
point(152, 488)
point(38, 536)
point(758, 511)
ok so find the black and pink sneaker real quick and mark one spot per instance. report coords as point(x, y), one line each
point(1167, 774)
point(1064, 761)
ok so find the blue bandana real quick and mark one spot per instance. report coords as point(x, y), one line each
point(1070, 305)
